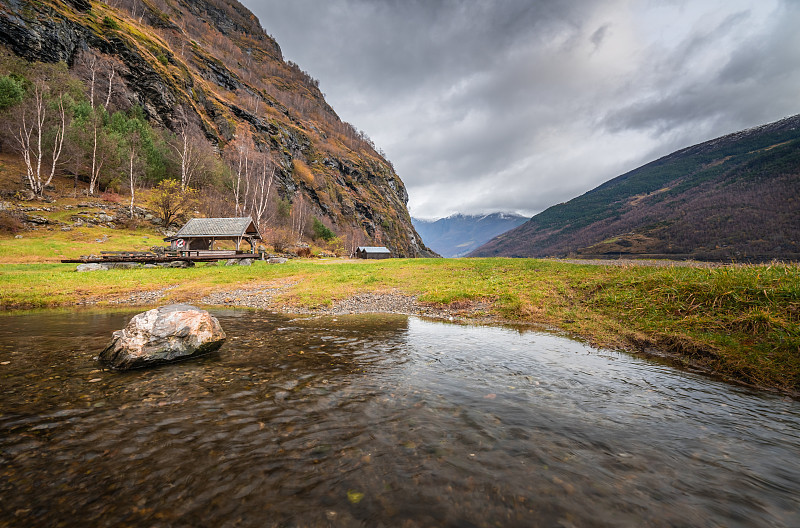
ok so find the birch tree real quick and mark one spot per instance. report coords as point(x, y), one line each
point(98, 145)
point(132, 147)
point(36, 123)
point(237, 154)
point(262, 186)
point(188, 145)
point(299, 216)
point(92, 66)
point(110, 86)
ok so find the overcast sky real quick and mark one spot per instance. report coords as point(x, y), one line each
point(517, 105)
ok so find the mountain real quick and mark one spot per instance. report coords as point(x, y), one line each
point(207, 65)
point(736, 197)
point(457, 235)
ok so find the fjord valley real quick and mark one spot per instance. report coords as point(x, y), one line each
point(458, 235)
point(132, 94)
point(734, 198)
point(295, 385)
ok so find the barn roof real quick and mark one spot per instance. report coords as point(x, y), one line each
point(373, 249)
point(219, 228)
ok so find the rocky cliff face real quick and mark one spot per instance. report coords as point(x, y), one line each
point(209, 62)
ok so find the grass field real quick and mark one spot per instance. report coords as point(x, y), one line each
point(742, 322)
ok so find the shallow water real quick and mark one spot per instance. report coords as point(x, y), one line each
point(380, 421)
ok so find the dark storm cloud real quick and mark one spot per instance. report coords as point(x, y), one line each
point(519, 104)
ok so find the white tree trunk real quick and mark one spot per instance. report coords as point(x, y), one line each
point(238, 182)
point(110, 85)
point(30, 139)
point(261, 198)
point(132, 180)
point(247, 177)
point(186, 155)
point(59, 141)
point(93, 69)
point(95, 169)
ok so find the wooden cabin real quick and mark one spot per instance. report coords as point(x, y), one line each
point(370, 252)
point(200, 234)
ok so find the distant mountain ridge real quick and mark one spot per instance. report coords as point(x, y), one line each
point(736, 197)
point(457, 235)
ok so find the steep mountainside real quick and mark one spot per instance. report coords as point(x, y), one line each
point(209, 65)
point(734, 197)
point(457, 235)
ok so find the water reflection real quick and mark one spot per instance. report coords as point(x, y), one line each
point(369, 420)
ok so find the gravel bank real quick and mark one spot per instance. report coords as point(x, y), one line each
point(376, 302)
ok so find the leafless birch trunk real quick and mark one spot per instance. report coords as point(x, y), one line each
point(132, 178)
point(31, 140)
point(97, 164)
point(262, 191)
point(110, 85)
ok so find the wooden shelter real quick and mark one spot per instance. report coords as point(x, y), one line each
point(200, 234)
point(371, 252)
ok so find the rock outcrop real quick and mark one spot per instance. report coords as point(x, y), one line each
point(92, 266)
point(163, 335)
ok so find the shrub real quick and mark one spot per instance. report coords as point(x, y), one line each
point(170, 202)
point(129, 222)
point(321, 231)
point(111, 196)
point(110, 23)
point(280, 238)
point(11, 91)
point(9, 223)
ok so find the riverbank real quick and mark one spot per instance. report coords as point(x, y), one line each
point(739, 322)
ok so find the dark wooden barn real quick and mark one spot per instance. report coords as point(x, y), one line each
point(200, 234)
point(369, 252)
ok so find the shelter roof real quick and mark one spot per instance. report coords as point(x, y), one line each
point(373, 249)
point(219, 228)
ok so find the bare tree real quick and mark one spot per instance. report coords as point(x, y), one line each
point(262, 186)
point(238, 155)
point(354, 239)
point(92, 65)
point(31, 137)
point(98, 137)
point(299, 216)
point(187, 145)
point(110, 86)
point(133, 142)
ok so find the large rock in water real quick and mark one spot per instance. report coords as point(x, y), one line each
point(163, 335)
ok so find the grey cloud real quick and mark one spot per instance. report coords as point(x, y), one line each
point(598, 36)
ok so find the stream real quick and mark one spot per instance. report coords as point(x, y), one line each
point(380, 420)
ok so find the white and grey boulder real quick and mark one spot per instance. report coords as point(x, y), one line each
point(92, 266)
point(163, 335)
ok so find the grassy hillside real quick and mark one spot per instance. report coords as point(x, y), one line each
point(732, 198)
point(206, 70)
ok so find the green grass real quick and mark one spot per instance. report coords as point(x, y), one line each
point(742, 322)
point(52, 246)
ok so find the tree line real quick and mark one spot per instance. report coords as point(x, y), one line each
point(60, 122)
